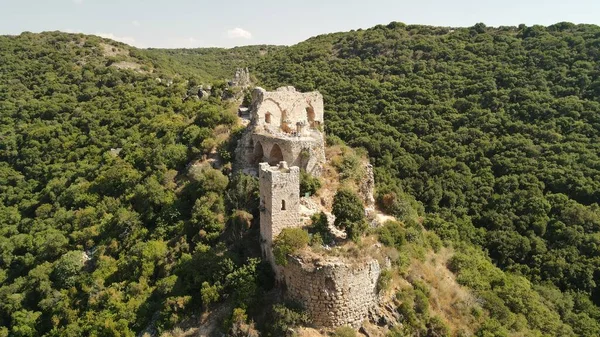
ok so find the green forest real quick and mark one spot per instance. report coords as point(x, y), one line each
point(487, 137)
point(494, 131)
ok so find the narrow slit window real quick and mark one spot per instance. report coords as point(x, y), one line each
point(283, 205)
point(268, 118)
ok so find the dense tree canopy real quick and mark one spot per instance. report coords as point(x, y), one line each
point(103, 228)
point(495, 131)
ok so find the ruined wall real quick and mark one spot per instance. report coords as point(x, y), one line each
point(272, 137)
point(333, 292)
point(279, 188)
point(285, 104)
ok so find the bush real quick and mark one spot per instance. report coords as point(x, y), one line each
point(287, 242)
point(392, 234)
point(210, 294)
point(401, 205)
point(320, 226)
point(349, 213)
point(285, 317)
point(349, 165)
point(437, 327)
point(308, 183)
point(384, 280)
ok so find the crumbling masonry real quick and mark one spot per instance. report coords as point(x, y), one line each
point(285, 127)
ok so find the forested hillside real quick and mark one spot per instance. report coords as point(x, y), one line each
point(495, 131)
point(104, 229)
point(488, 137)
point(211, 64)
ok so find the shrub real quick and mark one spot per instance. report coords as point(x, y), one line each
point(349, 213)
point(434, 241)
point(437, 327)
point(392, 234)
point(401, 205)
point(308, 183)
point(349, 165)
point(210, 294)
point(285, 317)
point(320, 226)
point(384, 280)
point(288, 242)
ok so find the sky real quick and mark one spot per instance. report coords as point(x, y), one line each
point(228, 23)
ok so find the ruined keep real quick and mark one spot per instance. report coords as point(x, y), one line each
point(286, 125)
point(334, 291)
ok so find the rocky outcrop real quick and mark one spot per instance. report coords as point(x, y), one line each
point(241, 78)
point(367, 187)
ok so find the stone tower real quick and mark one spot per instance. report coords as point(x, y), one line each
point(279, 188)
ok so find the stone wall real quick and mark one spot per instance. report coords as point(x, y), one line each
point(287, 106)
point(279, 188)
point(334, 292)
point(285, 126)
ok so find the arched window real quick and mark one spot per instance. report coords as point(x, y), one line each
point(257, 154)
point(268, 118)
point(275, 156)
point(283, 205)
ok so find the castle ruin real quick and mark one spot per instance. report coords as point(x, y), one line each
point(285, 125)
point(283, 137)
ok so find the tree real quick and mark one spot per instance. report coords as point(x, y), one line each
point(68, 269)
point(287, 242)
point(349, 213)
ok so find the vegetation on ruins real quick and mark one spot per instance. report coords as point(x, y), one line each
point(349, 213)
point(308, 183)
point(289, 241)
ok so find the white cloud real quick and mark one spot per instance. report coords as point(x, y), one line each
point(239, 33)
point(125, 39)
point(136, 23)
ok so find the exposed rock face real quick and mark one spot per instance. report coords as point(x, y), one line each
point(367, 187)
point(241, 78)
point(334, 292)
point(285, 126)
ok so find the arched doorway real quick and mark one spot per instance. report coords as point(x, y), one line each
point(257, 154)
point(276, 155)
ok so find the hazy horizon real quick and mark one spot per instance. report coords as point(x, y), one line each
point(193, 24)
